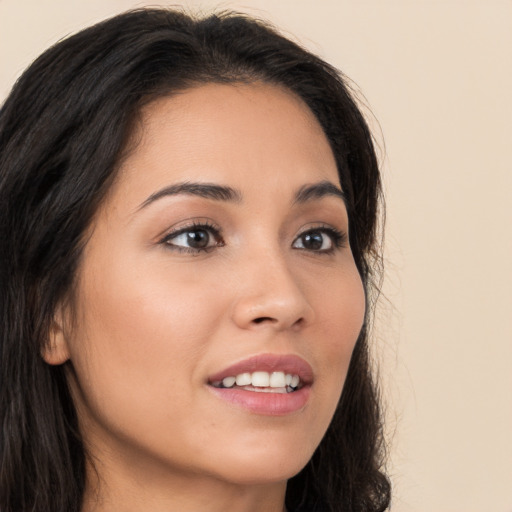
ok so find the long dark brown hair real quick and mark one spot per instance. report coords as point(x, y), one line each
point(63, 130)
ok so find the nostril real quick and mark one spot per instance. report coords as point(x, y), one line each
point(271, 320)
point(263, 319)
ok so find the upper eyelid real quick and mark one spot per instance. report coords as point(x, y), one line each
point(217, 229)
point(324, 227)
point(207, 225)
point(319, 226)
point(217, 232)
point(167, 239)
point(338, 239)
point(192, 225)
point(185, 229)
point(341, 235)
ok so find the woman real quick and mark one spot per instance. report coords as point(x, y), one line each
point(188, 227)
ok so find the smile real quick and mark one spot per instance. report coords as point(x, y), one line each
point(261, 382)
point(266, 384)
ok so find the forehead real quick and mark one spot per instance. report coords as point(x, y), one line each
point(249, 136)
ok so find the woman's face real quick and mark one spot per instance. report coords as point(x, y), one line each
point(220, 255)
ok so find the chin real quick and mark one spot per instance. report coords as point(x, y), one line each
point(269, 472)
point(266, 463)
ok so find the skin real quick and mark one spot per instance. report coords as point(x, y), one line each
point(151, 322)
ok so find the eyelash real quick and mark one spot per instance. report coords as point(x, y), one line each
point(195, 226)
point(337, 237)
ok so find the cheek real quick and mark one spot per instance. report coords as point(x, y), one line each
point(140, 335)
point(341, 313)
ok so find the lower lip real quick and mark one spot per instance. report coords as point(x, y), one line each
point(268, 404)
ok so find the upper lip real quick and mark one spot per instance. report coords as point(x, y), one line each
point(287, 363)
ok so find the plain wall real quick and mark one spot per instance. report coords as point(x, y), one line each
point(438, 78)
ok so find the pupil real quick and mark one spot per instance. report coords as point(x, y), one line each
point(313, 241)
point(198, 239)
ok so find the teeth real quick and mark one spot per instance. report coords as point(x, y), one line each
point(261, 380)
point(228, 382)
point(277, 380)
point(244, 379)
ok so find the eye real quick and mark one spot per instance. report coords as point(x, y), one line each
point(193, 239)
point(323, 240)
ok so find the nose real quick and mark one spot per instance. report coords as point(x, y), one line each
point(270, 295)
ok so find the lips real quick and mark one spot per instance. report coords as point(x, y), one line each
point(267, 384)
point(269, 363)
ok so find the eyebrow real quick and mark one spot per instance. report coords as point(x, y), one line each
point(318, 191)
point(225, 193)
point(206, 190)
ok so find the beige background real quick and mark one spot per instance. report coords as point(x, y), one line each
point(438, 77)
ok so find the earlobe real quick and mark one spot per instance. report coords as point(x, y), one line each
point(56, 350)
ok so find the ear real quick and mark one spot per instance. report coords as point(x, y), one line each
point(56, 350)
